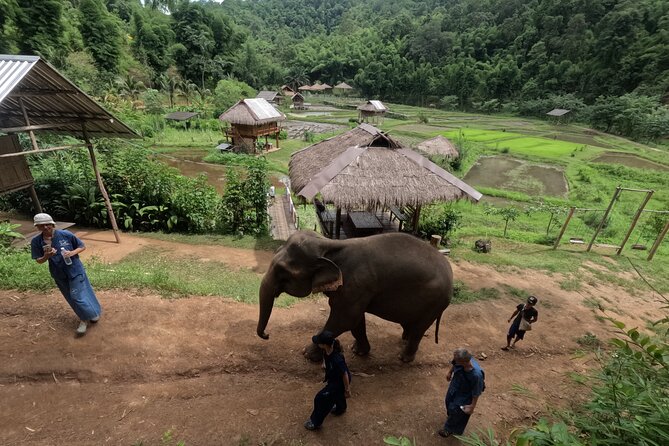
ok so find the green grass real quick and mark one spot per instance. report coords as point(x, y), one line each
point(463, 294)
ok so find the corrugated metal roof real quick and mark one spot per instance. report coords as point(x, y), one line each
point(262, 109)
point(50, 99)
point(558, 112)
point(378, 105)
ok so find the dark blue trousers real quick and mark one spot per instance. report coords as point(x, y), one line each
point(457, 420)
point(325, 400)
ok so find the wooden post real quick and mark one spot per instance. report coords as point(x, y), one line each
point(35, 200)
point(658, 241)
point(564, 227)
point(338, 223)
point(25, 118)
point(414, 220)
point(101, 186)
point(635, 220)
point(33, 140)
point(606, 214)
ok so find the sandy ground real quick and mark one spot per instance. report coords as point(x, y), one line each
point(196, 367)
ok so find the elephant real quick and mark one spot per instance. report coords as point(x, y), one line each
point(395, 276)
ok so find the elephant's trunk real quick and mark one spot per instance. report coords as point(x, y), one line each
point(267, 294)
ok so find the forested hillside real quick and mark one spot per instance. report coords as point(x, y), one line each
point(599, 58)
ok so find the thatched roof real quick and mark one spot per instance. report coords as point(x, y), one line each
point(297, 97)
point(267, 95)
point(439, 146)
point(305, 88)
point(558, 112)
point(255, 111)
point(373, 106)
point(343, 86)
point(364, 167)
point(325, 87)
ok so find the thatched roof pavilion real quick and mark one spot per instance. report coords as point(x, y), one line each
point(273, 97)
point(250, 119)
point(343, 86)
point(364, 168)
point(439, 145)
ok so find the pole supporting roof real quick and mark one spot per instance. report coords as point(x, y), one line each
point(51, 101)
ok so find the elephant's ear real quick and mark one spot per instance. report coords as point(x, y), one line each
point(327, 276)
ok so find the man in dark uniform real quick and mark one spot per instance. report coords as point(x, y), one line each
point(332, 398)
point(467, 383)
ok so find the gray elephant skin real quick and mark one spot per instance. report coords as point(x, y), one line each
point(394, 276)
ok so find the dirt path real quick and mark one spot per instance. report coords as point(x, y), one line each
point(195, 365)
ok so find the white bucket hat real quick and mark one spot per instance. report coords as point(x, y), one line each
point(43, 219)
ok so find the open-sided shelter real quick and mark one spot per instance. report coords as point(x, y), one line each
point(182, 116)
point(439, 145)
point(371, 111)
point(558, 115)
point(273, 97)
point(35, 97)
point(251, 119)
point(364, 168)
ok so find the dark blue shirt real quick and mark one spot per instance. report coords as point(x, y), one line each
point(335, 367)
point(57, 267)
point(465, 385)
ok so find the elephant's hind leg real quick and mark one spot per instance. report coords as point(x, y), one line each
point(361, 346)
point(415, 335)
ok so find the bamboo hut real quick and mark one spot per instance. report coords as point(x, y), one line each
point(366, 169)
point(439, 145)
point(286, 90)
point(371, 111)
point(273, 97)
point(250, 120)
point(35, 97)
point(298, 102)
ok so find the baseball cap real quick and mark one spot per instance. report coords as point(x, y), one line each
point(532, 300)
point(326, 337)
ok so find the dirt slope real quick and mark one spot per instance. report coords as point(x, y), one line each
point(196, 366)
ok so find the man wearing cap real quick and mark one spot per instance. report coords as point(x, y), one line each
point(525, 314)
point(332, 398)
point(61, 249)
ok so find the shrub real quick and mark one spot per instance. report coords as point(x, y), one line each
point(439, 221)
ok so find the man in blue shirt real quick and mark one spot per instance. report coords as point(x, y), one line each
point(61, 249)
point(467, 383)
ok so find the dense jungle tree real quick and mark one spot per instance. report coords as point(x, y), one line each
point(102, 35)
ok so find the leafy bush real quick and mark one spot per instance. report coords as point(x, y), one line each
point(439, 220)
point(8, 234)
point(228, 92)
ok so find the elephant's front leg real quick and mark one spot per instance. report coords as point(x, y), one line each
point(361, 345)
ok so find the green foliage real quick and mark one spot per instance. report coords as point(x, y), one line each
point(153, 101)
point(8, 234)
point(544, 433)
point(244, 209)
point(507, 214)
point(438, 220)
point(228, 92)
point(102, 35)
point(399, 441)
point(40, 27)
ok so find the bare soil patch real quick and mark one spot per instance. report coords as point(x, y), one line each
point(196, 366)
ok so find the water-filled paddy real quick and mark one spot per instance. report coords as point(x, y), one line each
point(511, 174)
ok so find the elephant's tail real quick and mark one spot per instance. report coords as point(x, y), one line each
point(436, 330)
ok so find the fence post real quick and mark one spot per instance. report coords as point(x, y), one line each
point(635, 220)
point(564, 227)
point(658, 241)
point(606, 214)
